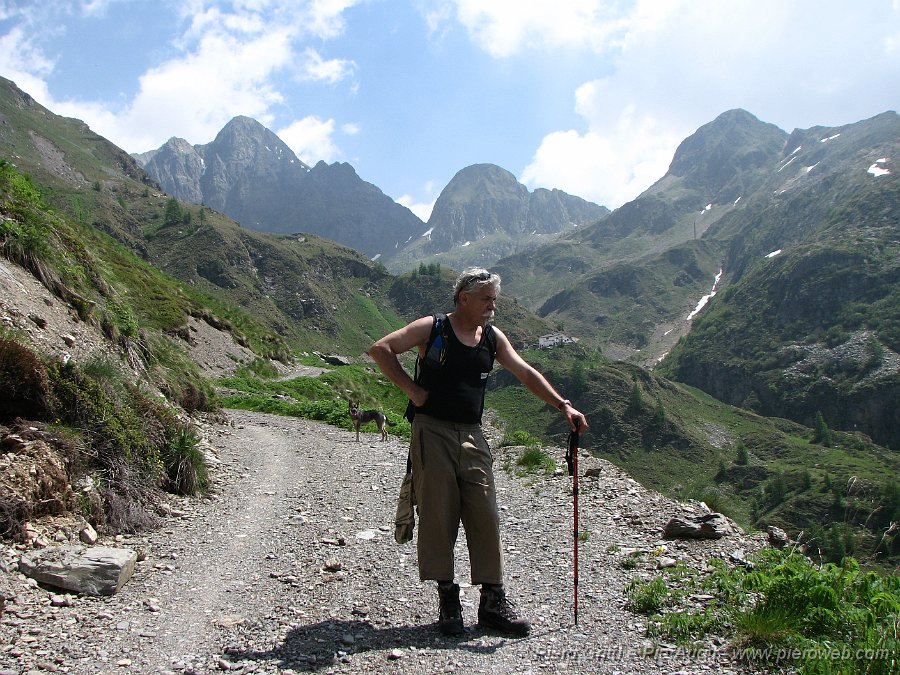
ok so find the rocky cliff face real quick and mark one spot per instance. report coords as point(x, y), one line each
point(253, 177)
point(249, 174)
point(808, 321)
point(484, 214)
point(178, 165)
point(339, 205)
point(485, 199)
point(722, 159)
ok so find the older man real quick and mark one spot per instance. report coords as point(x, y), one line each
point(451, 462)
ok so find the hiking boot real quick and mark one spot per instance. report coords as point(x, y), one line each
point(450, 621)
point(498, 612)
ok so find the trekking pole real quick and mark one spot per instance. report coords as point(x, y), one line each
point(572, 462)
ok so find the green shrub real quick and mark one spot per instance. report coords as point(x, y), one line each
point(116, 431)
point(783, 609)
point(629, 562)
point(822, 434)
point(685, 626)
point(261, 368)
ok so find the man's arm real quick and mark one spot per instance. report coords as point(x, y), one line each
point(384, 352)
point(509, 358)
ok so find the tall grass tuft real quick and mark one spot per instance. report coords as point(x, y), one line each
point(185, 465)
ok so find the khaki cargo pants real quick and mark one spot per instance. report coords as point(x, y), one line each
point(453, 480)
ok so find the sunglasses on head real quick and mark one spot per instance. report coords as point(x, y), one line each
point(481, 276)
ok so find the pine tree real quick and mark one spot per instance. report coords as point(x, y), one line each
point(173, 213)
point(659, 419)
point(807, 479)
point(636, 404)
point(822, 433)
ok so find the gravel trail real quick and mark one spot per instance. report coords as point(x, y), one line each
point(290, 566)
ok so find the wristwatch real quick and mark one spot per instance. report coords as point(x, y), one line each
point(562, 404)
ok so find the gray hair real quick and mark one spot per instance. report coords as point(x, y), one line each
point(473, 278)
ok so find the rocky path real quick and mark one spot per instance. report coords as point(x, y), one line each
point(291, 566)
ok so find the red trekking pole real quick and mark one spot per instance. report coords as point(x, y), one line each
point(572, 463)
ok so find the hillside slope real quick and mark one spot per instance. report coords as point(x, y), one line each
point(810, 319)
point(803, 228)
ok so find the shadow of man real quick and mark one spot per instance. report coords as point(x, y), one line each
point(320, 645)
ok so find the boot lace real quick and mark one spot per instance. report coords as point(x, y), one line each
point(506, 608)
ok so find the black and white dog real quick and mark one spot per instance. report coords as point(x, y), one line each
point(361, 417)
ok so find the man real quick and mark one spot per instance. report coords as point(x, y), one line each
point(452, 469)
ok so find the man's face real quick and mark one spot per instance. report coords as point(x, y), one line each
point(482, 302)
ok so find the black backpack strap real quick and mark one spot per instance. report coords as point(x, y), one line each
point(438, 327)
point(491, 338)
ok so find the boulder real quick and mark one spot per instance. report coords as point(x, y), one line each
point(777, 537)
point(98, 570)
point(88, 535)
point(708, 526)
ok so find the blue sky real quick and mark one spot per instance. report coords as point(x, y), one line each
point(588, 96)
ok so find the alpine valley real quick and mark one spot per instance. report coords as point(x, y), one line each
point(733, 333)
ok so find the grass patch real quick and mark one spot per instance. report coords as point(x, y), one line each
point(519, 437)
point(323, 398)
point(536, 460)
point(645, 597)
point(784, 610)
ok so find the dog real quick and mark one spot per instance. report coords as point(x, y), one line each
point(361, 417)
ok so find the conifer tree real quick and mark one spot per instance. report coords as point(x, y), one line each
point(822, 432)
point(636, 404)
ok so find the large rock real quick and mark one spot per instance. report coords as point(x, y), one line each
point(708, 526)
point(98, 570)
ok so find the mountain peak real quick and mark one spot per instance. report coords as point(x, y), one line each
point(716, 159)
point(487, 201)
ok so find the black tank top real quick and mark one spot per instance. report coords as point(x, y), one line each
point(456, 389)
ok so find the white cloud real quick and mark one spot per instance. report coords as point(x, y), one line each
point(311, 139)
point(228, 63)
point(608, 165)
point(423, 211)
point(314, 67)
point(326, 17)
point(25, 64)
point(96, 7)
point(505, 27)
point(670, 66)
point(194, 96)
